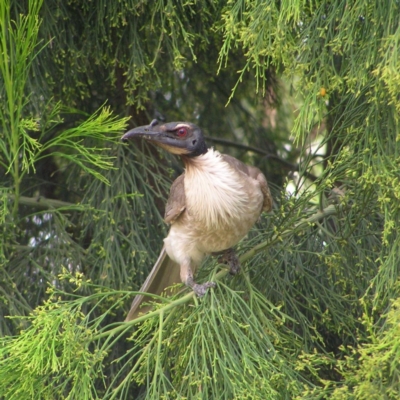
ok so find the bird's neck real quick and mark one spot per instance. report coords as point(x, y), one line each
point(200, 149)
point(214, 191)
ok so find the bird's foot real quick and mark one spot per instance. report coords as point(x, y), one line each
point(230, 258)
point(201, 289)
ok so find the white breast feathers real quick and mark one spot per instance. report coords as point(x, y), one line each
point(216, 193)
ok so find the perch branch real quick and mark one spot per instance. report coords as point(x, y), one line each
point(304, 223)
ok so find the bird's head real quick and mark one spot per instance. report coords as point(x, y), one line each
point(181, 138)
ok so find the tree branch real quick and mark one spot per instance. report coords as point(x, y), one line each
point(290, 166)
point(326, 212)
point(304, 223)
point(43, 203)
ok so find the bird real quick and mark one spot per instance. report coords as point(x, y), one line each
point(212, 205)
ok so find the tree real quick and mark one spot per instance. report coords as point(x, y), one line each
point(315, 313)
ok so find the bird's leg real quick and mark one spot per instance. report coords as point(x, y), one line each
point(230, 258)
point(187, 279)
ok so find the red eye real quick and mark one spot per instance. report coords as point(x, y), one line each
point(181, 132)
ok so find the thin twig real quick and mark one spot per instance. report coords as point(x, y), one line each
point(43, 203)
point(290, 166)
point(304, 223)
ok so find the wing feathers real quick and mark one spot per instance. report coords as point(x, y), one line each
point(176, 203)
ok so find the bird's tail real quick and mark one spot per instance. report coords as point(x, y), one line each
point(165, 273)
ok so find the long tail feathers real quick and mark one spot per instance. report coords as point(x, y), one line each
point(165, 273)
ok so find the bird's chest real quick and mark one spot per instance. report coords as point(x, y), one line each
point(221, 206)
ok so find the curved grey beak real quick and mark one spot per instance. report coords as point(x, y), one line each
point(159, 135)
point(146, 131)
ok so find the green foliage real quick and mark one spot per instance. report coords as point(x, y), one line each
point(315, 312)
point(216, 348)
point(52, 357)
point(17, 51)
point(373, 371)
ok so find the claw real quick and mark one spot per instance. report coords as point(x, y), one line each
point(201, 290)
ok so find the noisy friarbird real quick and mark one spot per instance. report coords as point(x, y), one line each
point(211, 207)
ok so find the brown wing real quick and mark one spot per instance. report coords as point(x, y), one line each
point(176, 203)
point(254, 173)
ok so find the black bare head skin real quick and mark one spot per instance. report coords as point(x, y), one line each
point(181, 138)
